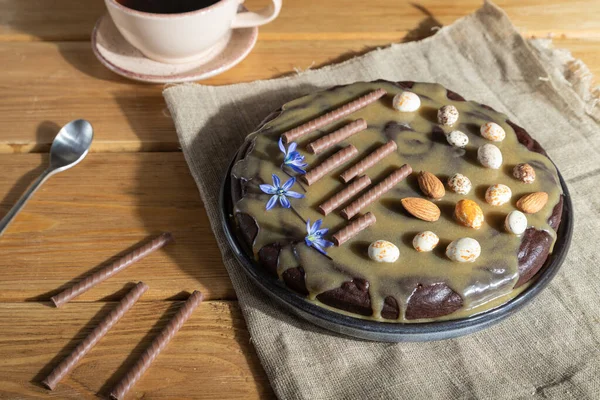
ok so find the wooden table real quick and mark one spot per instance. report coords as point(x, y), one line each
point(135, 183)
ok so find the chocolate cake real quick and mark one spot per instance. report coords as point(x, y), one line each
point(396, 201)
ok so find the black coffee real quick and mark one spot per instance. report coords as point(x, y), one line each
point(167, 6)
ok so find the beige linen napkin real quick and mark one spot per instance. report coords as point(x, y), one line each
point(550, 349)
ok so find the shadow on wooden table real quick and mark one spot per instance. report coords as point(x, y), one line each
point(115, 296)
point(69, 24)
point(63, 20)
point(74, 342)
point(184, 219)
point(427, 27)
point(143, 343)
point(46, 132)
point(86, 62)
point(183, 251)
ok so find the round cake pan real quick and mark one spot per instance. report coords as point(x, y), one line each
point(390, 331)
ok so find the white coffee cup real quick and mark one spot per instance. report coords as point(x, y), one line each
point(186, 37)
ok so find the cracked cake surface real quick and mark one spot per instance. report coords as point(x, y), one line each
point(411, 285)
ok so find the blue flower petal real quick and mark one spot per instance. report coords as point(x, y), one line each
point(281, 146)
point(296, 169)
point(290, 182)
point(268, 189)
point(276, 181)
point(307, 242)
point(294, 195)
point(322, 232)
point(309, 229)
point(314, 237)
point(271, 203)
point(292, 148)
point(319, 248)
point(295, 158)
point(284, 202)
point(317, 225)
point(300, 164)
point(324, 243)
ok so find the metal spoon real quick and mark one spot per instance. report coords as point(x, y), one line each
point(69, 147)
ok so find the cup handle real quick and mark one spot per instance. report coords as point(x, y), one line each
point(248, 19)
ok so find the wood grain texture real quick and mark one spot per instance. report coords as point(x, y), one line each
point(83, 218)
point(210, 358)
point(48, 84)
point(86, 217)
point(54, 20)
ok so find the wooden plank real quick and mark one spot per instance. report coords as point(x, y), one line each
point(315, 19)
point(59, 82)
point(81, 218)
point(46, 84)
point(210, 358)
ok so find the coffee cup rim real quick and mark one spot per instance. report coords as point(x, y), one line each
point(123, 8)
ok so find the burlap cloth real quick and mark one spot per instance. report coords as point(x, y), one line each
point(550, 349)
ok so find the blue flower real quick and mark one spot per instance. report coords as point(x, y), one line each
point(280, 192)
point(292, 158)
point(314, 237)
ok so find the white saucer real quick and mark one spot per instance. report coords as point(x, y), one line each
point(122, 58)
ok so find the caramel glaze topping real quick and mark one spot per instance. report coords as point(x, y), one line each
point(405, 290)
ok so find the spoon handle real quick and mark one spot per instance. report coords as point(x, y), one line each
point(23, 200)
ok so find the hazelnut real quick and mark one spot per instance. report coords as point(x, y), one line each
point(515, 222)
point(406, 102)
point(460, 184)
point(524, 172)
point(463, 250)
point(489, 156)
point(498, 195)
point(447, 115)
point(492, 131)
point(383, 251)
point(469, 214)
point(458, 139)
point(425, 241)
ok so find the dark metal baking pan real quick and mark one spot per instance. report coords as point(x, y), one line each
point(391, 331)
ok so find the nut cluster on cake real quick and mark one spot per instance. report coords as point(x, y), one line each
point(466, 212)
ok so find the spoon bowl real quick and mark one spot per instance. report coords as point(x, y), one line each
point(69, 147)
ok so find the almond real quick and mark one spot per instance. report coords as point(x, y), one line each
point(431, 185)
point(532, 202)
point(469, 214)
point(421, 208)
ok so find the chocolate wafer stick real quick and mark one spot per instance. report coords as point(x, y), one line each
point(329, 164)
point(94, 337)
point(157, 345)
point(105, 273)
point(327, 141)
point(370, 160)
point(376, 191)
point(332, 116)
point(354, 228)
point(340, 197)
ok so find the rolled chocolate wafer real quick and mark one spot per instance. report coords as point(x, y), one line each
point(157, 345)
point(94, 337)
point(105, 273)
point(354, 228)
point(329, 164)
point(340, 197)
point(332, 116)
point(327, 141)
point(370, 160)
point(376, 191)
